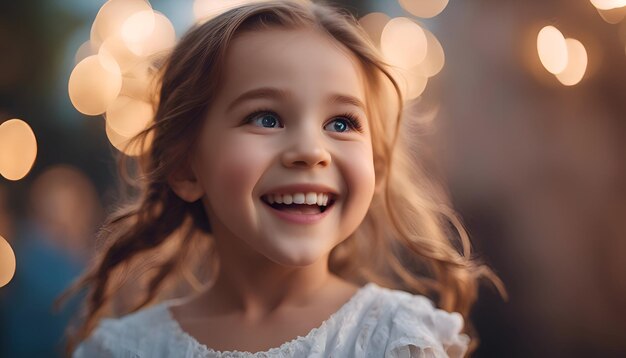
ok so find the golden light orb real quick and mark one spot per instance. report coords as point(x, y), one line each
point(94, 83)
point(435, 57)
point(552, 49)
point(161, 36)
point(124, 145)
point(7, 262)
point(374, 23)
point(608, 4)
point(138, 26)
point(18, 149)
point(111, 17)
point(576, 65)
point(115, 47)
point(128, 116)
point(424, 8)
point(403, 43)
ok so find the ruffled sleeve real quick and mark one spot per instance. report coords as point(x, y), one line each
point(102, 343)
point(421, 330)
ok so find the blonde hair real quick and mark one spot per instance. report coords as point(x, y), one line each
point(404, 242)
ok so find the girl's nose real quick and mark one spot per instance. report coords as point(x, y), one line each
point(307, 150)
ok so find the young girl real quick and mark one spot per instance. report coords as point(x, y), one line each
point(278, 170)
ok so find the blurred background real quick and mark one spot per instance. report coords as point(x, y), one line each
point(526, 102)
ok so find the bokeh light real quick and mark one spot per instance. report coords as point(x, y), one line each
point(161, 36)
point(7, 262)
point(608, 4)
point(403, 43)
point(18, 149)
point(138, 26)
point(140, 83)
point(94, 84)
point(576, 64)
point(435, 57)
point(424, 8)
point(374, 23)
point(127, 116)
point(111, 18)
point(552, 49)
point(123, 144)
point(115, 47)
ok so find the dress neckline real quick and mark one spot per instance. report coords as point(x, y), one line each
point(198, 347)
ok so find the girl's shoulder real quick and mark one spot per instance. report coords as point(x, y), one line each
point(133, 335)
point(411, 326)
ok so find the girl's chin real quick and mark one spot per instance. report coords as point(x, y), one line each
point(294, 257)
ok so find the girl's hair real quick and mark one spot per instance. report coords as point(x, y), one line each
point(410, 238)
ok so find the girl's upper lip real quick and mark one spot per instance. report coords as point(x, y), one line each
point(302, 188)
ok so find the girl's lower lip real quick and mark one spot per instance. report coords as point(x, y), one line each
point(299, 218)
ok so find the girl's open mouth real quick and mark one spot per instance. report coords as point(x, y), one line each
point(301, 209)
point(300, 213)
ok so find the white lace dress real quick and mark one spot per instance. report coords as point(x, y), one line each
point(375, 322)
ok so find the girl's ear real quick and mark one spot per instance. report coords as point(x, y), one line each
point(185, 184)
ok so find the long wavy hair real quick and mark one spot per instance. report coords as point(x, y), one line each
point(157, 245)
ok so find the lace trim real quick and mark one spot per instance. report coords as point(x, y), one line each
point(204, 350)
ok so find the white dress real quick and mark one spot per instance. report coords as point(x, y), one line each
point(375, 322)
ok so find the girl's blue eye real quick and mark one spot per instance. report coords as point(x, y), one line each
point(343, 123)
point(346, 123)
point(266, 120)
point(340, 125)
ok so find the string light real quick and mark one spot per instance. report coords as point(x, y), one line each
point(112, 74)
point(403, 42)
point(576, 64)
point(7, 262)
point(552, 49)
point(424, 8)
point(608, 4)
point(94, 84)
point(18, 149)
point(565, 58)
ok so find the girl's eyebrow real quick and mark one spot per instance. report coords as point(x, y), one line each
point(277, 93)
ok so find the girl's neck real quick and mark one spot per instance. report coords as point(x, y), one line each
point(255, 292)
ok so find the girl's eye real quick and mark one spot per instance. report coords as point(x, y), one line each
point(264, 119)
point(344, 123)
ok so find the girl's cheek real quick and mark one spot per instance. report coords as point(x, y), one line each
point(237, 164)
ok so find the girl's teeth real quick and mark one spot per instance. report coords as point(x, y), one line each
point(298, 198)
point(320, 199)
point(311, 198)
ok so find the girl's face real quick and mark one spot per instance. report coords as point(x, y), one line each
point(281, 118)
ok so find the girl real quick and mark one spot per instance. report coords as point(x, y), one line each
point(278, 170)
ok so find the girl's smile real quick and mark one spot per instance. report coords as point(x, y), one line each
point(284, 163)
point(301, 203)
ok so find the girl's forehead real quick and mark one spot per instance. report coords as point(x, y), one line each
point(299, 60)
